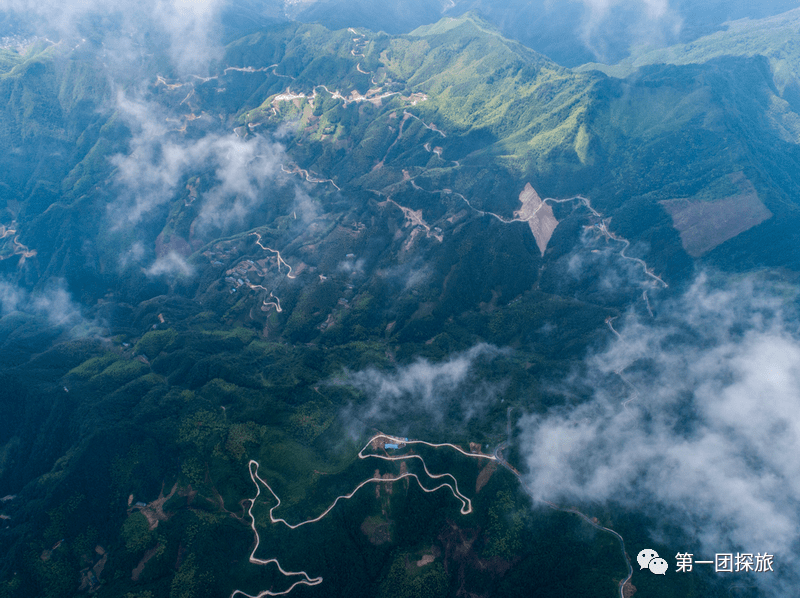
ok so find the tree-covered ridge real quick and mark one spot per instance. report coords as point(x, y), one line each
point(176, 347)
point(568, 124)
point(480, 87)
point(773, 37)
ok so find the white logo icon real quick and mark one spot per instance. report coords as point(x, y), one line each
point(658, 566)
point(645, 556)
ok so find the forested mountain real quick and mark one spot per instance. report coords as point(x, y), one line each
point(571, 33)
point(326, 233)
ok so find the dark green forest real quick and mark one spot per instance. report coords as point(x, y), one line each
point(153, 342)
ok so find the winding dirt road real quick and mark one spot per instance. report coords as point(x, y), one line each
point(602, 227)
point(306, 579)
point(304, 173)
point(277, 302)
point(17, 248)
point(430, 126)
point(277, 253)
point(466, 503)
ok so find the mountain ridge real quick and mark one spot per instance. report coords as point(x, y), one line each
point(229, 264)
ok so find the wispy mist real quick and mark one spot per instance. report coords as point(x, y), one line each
point(53, 303)
point(449, 390)
point(190, 28)
point(694, 419)
point(158, 161)
point(170, 265)
point(642, 23)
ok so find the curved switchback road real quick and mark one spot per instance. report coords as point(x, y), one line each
point(304, 173)
point(602, 227)
point(277, 255)
point(466, 503)
point(497, 456)
point(306, 579)
point(277, 302)
point(16, 247)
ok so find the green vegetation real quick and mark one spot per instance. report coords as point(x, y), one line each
point(505, 536)
point(403, 581)
point(136, 441)
point(773, 37)
point(136, 533)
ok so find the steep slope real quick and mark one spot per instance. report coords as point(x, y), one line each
point(205, 270)
point(754, 63)
point(571, 33)
point(569, 133)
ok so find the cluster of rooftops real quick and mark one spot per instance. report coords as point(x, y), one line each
point(395, 446)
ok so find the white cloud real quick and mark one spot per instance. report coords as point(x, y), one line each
point(305, 207)
point(57, 305)
point(352, 266)
point(133, 256)
point(448, 390)
point(190, 26)
point(170, 265)
point(53, 303)
point(11, 297)
point(242, 170)
point(640, 22)
point(710, 438)
point(409, 275)
point(149, 174)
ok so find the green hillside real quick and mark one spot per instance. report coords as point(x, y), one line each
point(201, 271)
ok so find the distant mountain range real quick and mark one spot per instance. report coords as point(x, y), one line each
point(571, 33)
point(202, 268)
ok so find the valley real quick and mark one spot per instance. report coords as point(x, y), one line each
point(376, 442)
point(237, 272)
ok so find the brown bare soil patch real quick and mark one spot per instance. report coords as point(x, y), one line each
point(378, 530)
point(704, 225)
point(484, 475)
point(538, 215)
point(460, 556)
point(175, 243)
point(475, 448)
point(137, 572)
point(628, 589)
point(487, 308)
point(220, 502)
point(387, 487)
point(154, 512)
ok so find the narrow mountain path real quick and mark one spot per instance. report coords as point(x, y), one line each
point(376, 441)
point(276, 302)
point(602, 227)
point(304, 173)
point(17, 248)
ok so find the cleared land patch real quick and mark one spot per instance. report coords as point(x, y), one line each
point(704, 225)
point(538, 215)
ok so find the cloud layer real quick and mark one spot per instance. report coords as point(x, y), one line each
point(149, 175)
point(170, 265)
point(449, 390)
point(695, 417)
point(53, 303)
point(189, 27)
point(636, 22)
